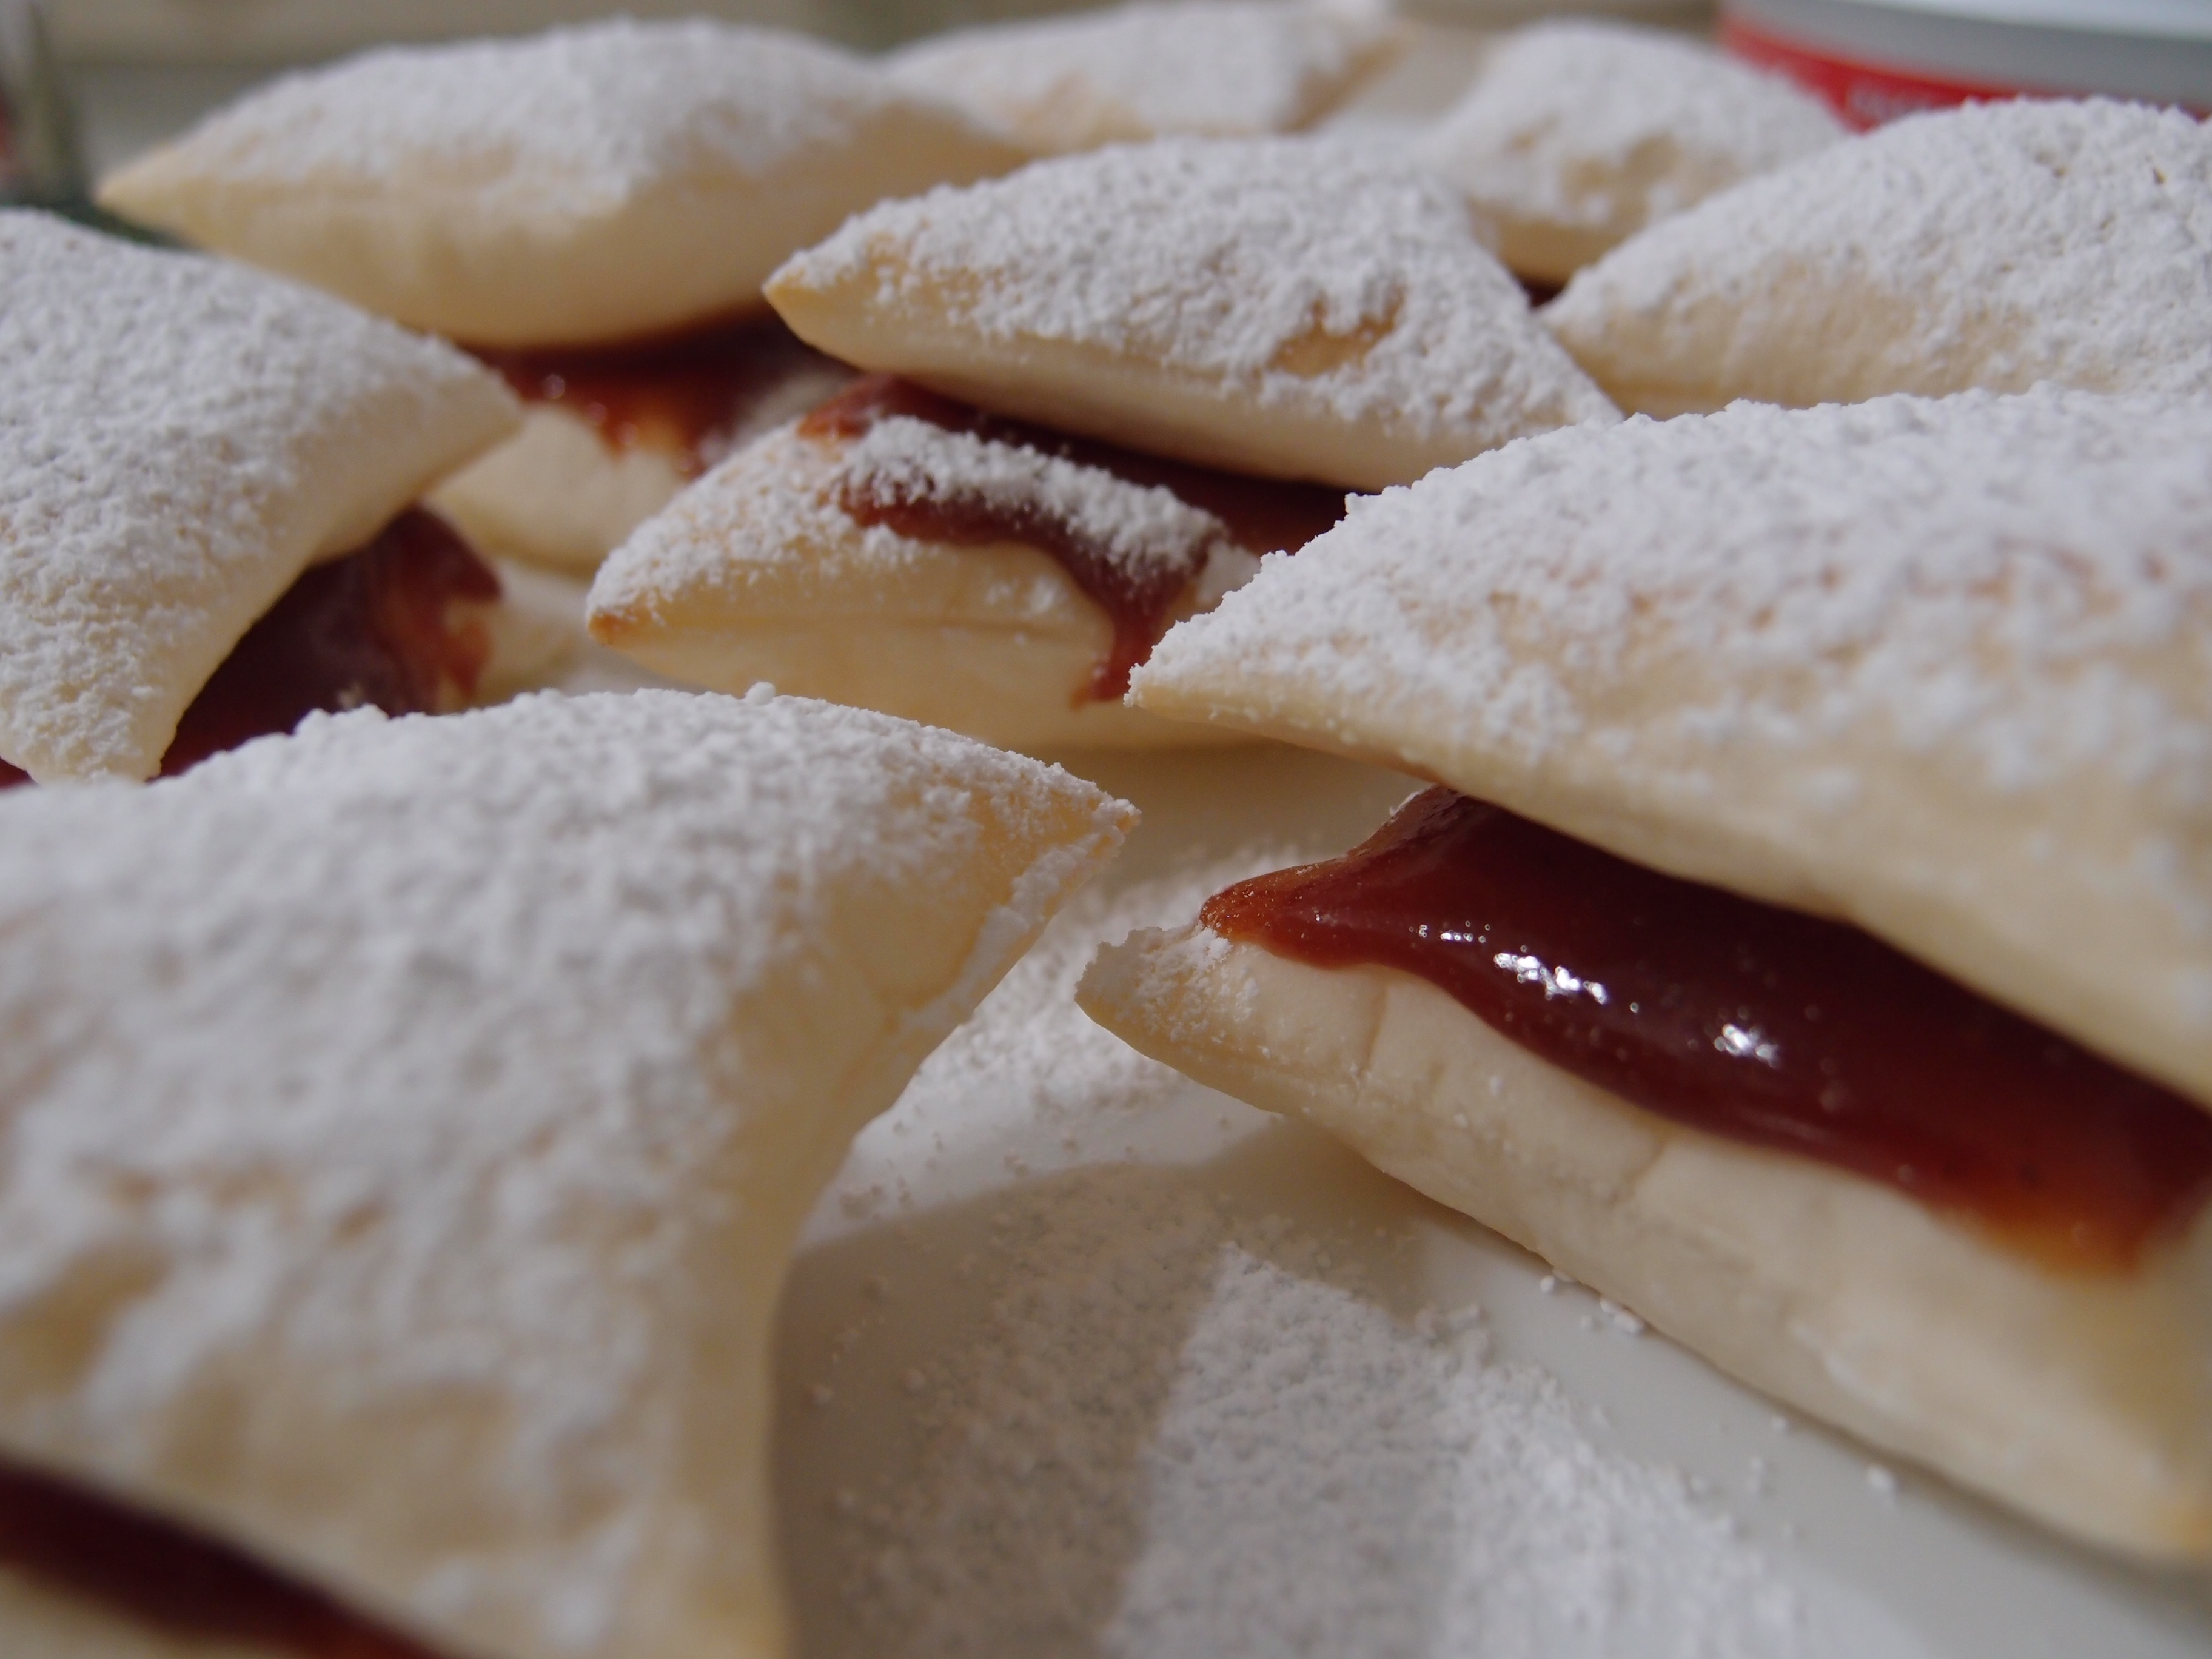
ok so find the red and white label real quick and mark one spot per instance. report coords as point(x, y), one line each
point(1864, 94)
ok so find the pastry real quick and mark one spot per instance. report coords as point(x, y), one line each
point(595, 208)
point(899, 551)
point(1990, 246)
point(1297, 308)
point(1811, 947)
point(180, 440)
point(421, 1241)
point(1212, 67)
point(1305, 313)
point(1578, 133)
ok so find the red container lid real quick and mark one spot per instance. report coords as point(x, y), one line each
point(1873, 62)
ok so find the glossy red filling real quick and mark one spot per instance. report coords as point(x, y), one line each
point(1262, 515)
point(380, 627)
point(1752, 1022)
point(683, 392)
point(163, 1576)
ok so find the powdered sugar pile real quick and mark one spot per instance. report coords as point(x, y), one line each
point(1595, 128)
point(176, 440)
point(1303, 272)
point(1153, 1415)
point(570, 118)
point(1222, 67)
point(1993, 246)
point(1982, 575)
point(1141, 528)
point(424, 1088)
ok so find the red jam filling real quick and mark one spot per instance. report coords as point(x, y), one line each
point(375, 627)
point(1752, 1022)
point(684, 393)
point(165, 1576)
point(1262, 515)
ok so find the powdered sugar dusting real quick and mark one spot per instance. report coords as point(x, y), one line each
point(174, 447)
point(1305, 273)
point(1593, 130)
point(1994, 245)
point(1216, 67)
point(1984, 576)
point(426, 1098)
point(568, 119)
point(1141, 528)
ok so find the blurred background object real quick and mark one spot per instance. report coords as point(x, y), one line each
point(39, 156)
point(292, 31)
point(142, 69)
point(1874, 63)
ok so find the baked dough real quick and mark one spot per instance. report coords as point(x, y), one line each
point(179, 439)
point(407, 1203)
point(559, 495)
point(1216, 68)
point(1579, 133)
point(757, 573)
point(2081, 1399)
point(1293, 307)
point(1937, 668)
point(1994, 245)
point(589, 184)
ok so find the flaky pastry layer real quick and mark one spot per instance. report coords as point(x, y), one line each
point(585, 185)
point(2082, 1399)
point(1937, 668)
point(1295, 308)
point(756, 574)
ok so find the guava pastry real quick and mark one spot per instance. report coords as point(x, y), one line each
point(401, 1210)
point(1578, 134)
point(1990, 246)
point(1190, 410)
point(594, 208)
point(206, 477)
point(1212, 68)
point(1809, 944)
point(1292, 308)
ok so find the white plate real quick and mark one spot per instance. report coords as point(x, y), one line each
point(1078, 1358)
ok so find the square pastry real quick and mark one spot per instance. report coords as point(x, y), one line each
point(180, 439)
point(1810, 946)
point(403, 1207)
point(1994, 246)
point(593, 209)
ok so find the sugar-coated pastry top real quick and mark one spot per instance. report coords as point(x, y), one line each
point(1580, 132)
point(1941, 667)
point(490, 190)
point(1290, 307)
point(419, 1099)
point(1994, 245)
point(1223, 68)
point(178, 437)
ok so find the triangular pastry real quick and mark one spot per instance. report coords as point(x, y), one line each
point(406, 1203)
point(180, 440)
point(1840, 997)
point(596, 208)
point(1990, 246)
point(899, 551)
point(1578, 133)
point(1295, 309)
point(1211, 68)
